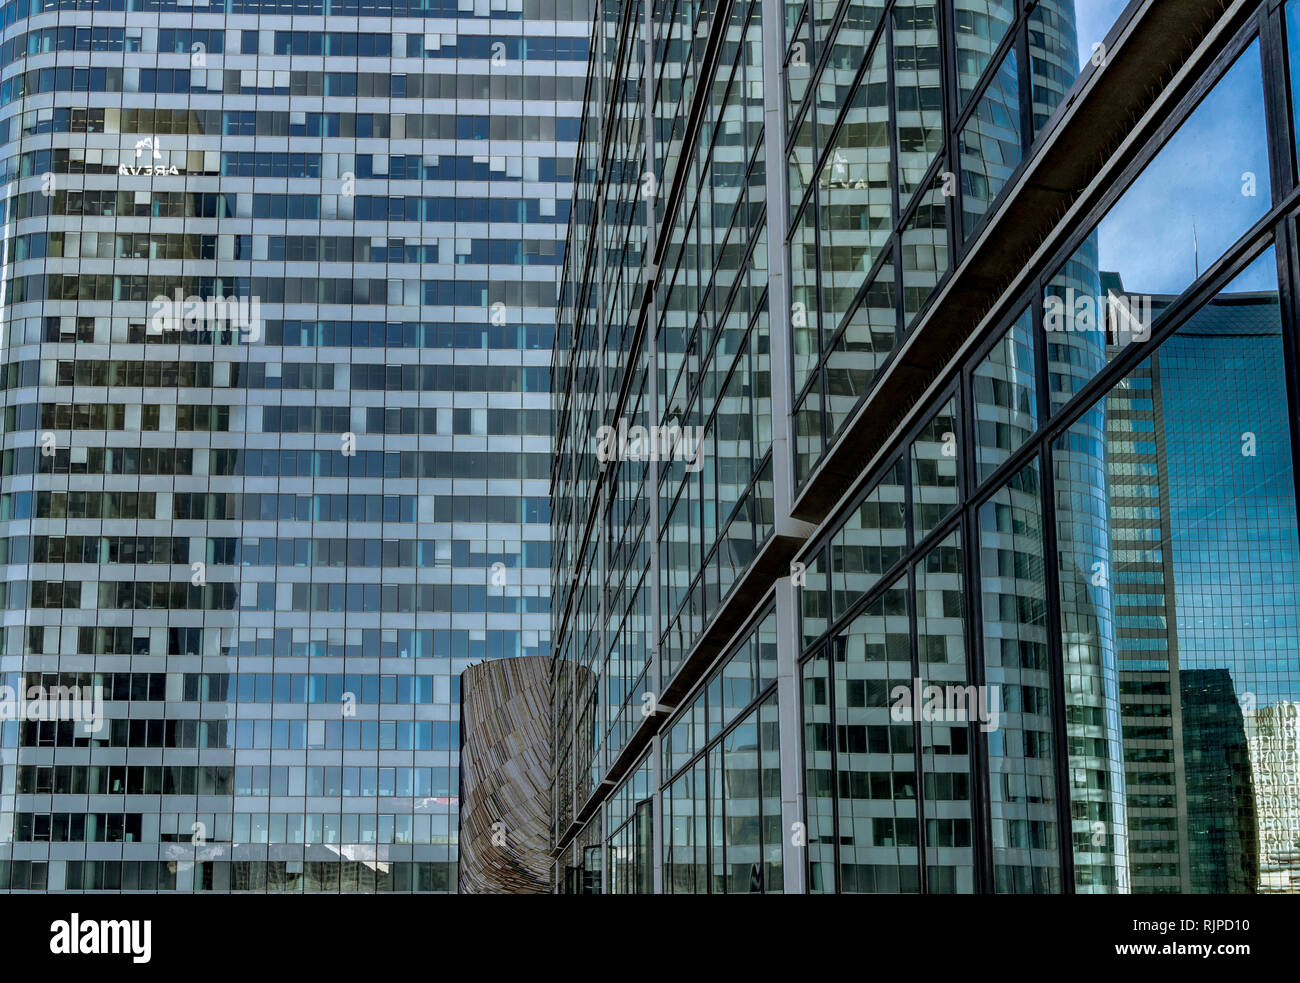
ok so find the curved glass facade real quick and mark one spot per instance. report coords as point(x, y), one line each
point(278, 296)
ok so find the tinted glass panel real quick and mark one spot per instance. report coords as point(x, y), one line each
point(918, 92)
point(854, 196)
point(1005, 397)
point(981, 26)
point(875, 753)
point(1200, 194)
point(934, 471)
point(1017, 673)
point(990, 143)
point(1180, 618)
point(819, 783)
point(857, 355)
point(950, 710)
point(872, 539)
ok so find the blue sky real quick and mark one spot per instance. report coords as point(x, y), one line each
point(1196, 180)
point(1092, 19)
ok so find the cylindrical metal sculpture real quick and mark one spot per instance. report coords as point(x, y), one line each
point(505, 777)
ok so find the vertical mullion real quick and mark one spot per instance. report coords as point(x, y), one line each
point(1056, 667)
point(829, 648)
point(896, 220)
point(1024, 85)
point(945, 25)
point(981, 811)
point(1274, 56)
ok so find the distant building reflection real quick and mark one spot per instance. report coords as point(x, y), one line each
point(1273, 740)
point(1212, 785)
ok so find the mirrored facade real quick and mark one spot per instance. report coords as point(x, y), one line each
point(278, 297)
point(1021, 535)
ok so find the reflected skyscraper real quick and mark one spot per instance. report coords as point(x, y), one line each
point(1197, 629)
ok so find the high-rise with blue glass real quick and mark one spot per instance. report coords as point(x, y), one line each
point(975, 325)
point(278, 306)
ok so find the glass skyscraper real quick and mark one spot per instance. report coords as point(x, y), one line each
point(270, 533)
point(962, 553)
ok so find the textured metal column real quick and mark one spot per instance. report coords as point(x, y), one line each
point(505, 777)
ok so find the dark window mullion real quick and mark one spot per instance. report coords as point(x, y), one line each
point(972, 618)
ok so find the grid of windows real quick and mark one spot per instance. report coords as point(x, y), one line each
point(275, 414)
point(891, 172)
point(722, 791)
point(1038, 633)
point(1138, 679)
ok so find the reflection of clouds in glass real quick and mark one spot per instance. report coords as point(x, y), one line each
point(1092, 19)
point(1196, 178)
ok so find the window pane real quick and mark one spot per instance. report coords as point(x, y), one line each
point(769, 738)
point(859, 353)
point(990, 143)
point(861, 18)
point(925, 248)
point(802, 162)
point(875, 754)
point(918, 92)
point(803, 296)
point(946, 734)
point(1053, 50)
point(813, 599)
point(808, 432)
point(1006, 403)
point(798, 70)
point(818, 774)
point(1203, 190)
point(1179, 601)
point(741, 794)
point(934, 471)
point(1022, 774)
point(871, 541)
point(981, 26)
point(854, 196)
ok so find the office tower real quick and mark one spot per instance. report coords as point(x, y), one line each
point(274, 531)
point(1188, 779)
point(924, 506)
